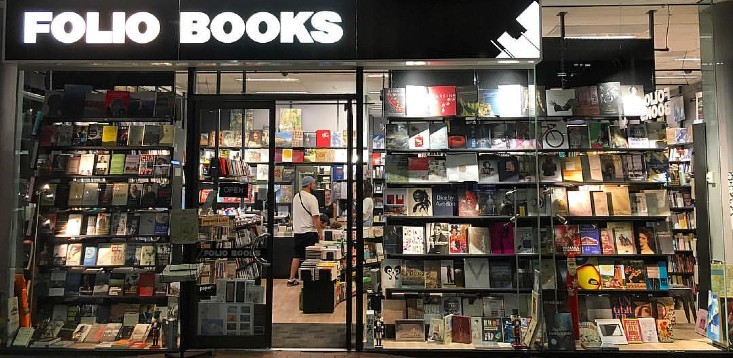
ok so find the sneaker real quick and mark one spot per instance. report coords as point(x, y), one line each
point(293, 282)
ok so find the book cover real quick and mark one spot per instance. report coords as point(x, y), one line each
point(134, 194)
point(72, 165)
point(442, 100)
point(508, 169)
point(623, 236)
point(437, 171)
point(645, 241)
point(90, 256)
point(664, 331)
point(418, 169)
point(609, 94)
point(438, 138)
point(488, 102)
point(119, 224)
point(620, 201)
point(559, 201)
point(146, 284)
point(632, 99)
point(413, 275)
point(635, 275)
point(560, 334)
point(444, 202)
point(511, 99)
point(501, 274)
point(394, 102)
point(590, 240)
point(432, 274)
point(101, 284)
point(86, 164)
point(413, 240)
point(102, 165)
point(409, 330)
point(525, 242)
point(550, 168)
point(76, 193)
point(600, 203)
point(117, 164)
point(132, 164)
point(638, 137)
point(103, 224)
point(611, 331)
point(663, 235)
point(467, 203)
point(592, 167)
point(657, 165)
point(502, 238)
point(397, 136)
point(632, 330)
point(151, 134)
point(607, 242)
point(122, 135)
point(599, 135)
point(462, 167)
point(525, 136)
point(419, 202)
point(567, 239)
point(458, 239)
point(447, 273)
point(495, 136)
point(461, 329)
point(492, 330)
point(147, 162)
point(713, 319)
point(618, 137)
point(457, 131)
point(167, 135)
point(91, 194)
point(478, 240)
point(135, 135)
point(572, 169)
point(560, 102)
point(419, 133)
point(476, 273)
point(391, 273)
point(468, 102)
point(579, 203)
point(488, 170)
point(488, 200)
point(588, 103)
point(395, 202)
point(109, 136)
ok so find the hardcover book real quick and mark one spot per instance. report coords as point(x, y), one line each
point(550, 168)
point(461, 329)
point(632, 99)
point(611, 331)
point(467, 203)
point(572, 169)
point(458, 239)
point(488, 103)
point(607, 245)
point(632, 330)
point(397, 136)
point(612, 168)
point(488, 201)
point(432, 274)
point(590, 239)
point(478, 240)
point(501, 274)
point(442, 100)
point(419, 202)
point(580, 203)
point(438, 135)
point(623, 235)
point(151, 135)
point(635, 274)
point(468, 103)
point(418, 169)
point(444, 202)
point(560, 102)
point(600, 203)
point(413, 240)
point(599, 135)
point(413, 275)
point(508, 169)
point(609, 94)
point(135, 136)
point(391, 273)
point(462, 167)
point(618, 137)
point(109, 136)
point(476, 273)
point(588, 103)
point(488, 170)
point(394, 102)
point(567, 239)
point(418, 101)
point(447, 273)
point(560, 334)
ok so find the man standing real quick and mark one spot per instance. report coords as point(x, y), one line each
point(306, 224)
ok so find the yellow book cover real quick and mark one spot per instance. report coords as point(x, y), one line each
point(572, 169)
point(287, 155)
point(321, 155)
point(109, 136)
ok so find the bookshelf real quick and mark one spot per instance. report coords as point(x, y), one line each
point(490, 199)
point(103, 189)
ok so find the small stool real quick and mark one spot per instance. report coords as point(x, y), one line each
point(684, 296)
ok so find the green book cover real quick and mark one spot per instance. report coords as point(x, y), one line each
point(117, 164)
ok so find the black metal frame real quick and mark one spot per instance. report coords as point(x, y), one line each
point(257, 101)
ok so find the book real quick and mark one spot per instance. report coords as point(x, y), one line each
point(462, 167)
point(458, 239)
point(146, 284)
point(167, 135)
point(72, 165)
point(444, 202)
point(409, 330)
point(607, 242)
point(657, 165)
point(645, 241)
point(438, 138)
point(102, 164)
point(432, 274)
point(618, 137)
point(560, 334)
point(447, 273)
point(635, 275)
point(467, 203)
point(600, 203)
point(103, 225)
point(122, 135)
point(419, 135)
point(146, 165)
point(132, 164)
point(23, 337)
point(476, 273)
point(623, 236)
point(117, 164)
point(588, 102)
point(590, 241)
point(559, 201)
point(413, 275)
point(394, 102)
point(560, 102)
point(579, 203)
point(664, 330)
point(637, 136)
point(609, 94)
point(90, 256)
point(151, 134)
point(488, 201)
point(491, 329)
point(442, 100)
point(488, 170)
point(461, 329)
point(101, 284)
point(572, 168)
point(109, 136)
point(550, 168)
point(632, 329)
point(86, 164)
point(554, 135)
point(567, 239)
point(418, 169)
point(501, 274)
point(611, 331)
point(91, 194)
point(391, 273)
point(76, 193)
point(508, 169)
point(478, 240)
point(632, 99)
point(620, 201)
point(413, 240)
point(135, 135)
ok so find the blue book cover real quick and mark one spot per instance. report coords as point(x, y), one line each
point(713, 321)
point(488, 103)
point(508, 330)
point(663, 275)
point(338, 172)
point(590, 239)
point(444, 202)
point(90, 256)
point(161, 224)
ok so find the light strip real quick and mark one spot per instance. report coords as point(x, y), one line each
point(281, 92)
point(601, 37)
point(688, 59)
point(286, 79)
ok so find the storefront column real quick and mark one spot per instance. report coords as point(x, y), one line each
point(716, 50)
point(9, 251)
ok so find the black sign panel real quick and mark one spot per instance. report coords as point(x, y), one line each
point(285, 29)
point(62, 30)
point(438, 29)
point(316, 30)
point(233, 190)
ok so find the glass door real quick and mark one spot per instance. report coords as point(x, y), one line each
point(233, 190)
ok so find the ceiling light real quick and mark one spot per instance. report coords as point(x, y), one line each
point(162, 64)
point(415, 63)
point(687, 59)
point(675, 77)
point(376, 75)
point(601, 37)
point(281, 92)
point(375, 92)
point(284, 79)
point(508, 61)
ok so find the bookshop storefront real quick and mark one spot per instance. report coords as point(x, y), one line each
point(470, 198)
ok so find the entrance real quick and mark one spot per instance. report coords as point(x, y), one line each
point(253, 153)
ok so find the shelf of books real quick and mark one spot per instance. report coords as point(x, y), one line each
point(484, 195)
point(103, 192)
point(683, 264)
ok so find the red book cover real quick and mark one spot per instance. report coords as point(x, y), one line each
point(298, 156)
point(323, 138)
point(632, 330)
point(461, 329)
point(467, 203)
point(442, 100)
point(502, 238)
point(146, 284)
point(377, 159)
point(223, 167)
point(47, 137)
point(116, 103)
point(567, 239)
point(278, 155)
